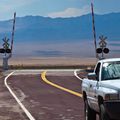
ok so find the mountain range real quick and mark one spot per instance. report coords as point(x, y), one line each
point(45, 29)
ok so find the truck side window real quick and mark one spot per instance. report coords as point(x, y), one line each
point(97, 70)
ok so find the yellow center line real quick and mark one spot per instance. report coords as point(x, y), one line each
point(43, 76)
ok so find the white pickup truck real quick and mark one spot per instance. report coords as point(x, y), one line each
point(101, 91)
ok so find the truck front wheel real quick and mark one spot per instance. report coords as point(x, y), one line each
point(103, 115)
point(88, 112)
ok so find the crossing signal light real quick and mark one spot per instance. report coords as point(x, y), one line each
point(8, 50)
point(2, 50)
point(106, 50)
point(99, 50)
point(5, 51)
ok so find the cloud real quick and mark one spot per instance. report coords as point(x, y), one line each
point(10, 6)
point(16, 4)
point(70, 12)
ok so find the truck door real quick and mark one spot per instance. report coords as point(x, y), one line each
point(92, 88)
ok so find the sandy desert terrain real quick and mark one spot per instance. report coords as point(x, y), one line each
point(46, 61)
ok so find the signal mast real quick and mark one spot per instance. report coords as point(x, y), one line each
point(102, 44)
point(7, 47)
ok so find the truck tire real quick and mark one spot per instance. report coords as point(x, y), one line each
point(103, 115)
point(88, 112)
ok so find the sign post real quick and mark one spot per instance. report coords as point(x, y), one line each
point(7, 53)
point(7, 49)
point(102, 47)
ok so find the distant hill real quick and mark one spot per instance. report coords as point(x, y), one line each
point(45, 29)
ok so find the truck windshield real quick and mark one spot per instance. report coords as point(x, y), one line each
point(111, 71)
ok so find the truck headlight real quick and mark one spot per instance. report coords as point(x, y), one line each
point(111, 97)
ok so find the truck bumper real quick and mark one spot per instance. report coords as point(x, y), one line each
point(113, 109)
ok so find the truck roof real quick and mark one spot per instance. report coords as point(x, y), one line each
point(110, 60)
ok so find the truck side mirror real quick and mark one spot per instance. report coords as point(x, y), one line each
point(92, 76)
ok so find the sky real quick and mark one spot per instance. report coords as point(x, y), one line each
point(55, 8)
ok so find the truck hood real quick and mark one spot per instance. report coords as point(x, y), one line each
point(113, 84)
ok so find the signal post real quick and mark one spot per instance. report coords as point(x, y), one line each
point(7, 47)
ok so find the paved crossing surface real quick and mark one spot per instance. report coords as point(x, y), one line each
point(43, 101)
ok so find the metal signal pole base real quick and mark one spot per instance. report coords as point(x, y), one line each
point(5, 62)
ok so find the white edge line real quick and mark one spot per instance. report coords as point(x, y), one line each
point(15, 97)
point(75, 73)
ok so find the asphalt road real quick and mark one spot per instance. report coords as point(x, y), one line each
point(44, 101)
